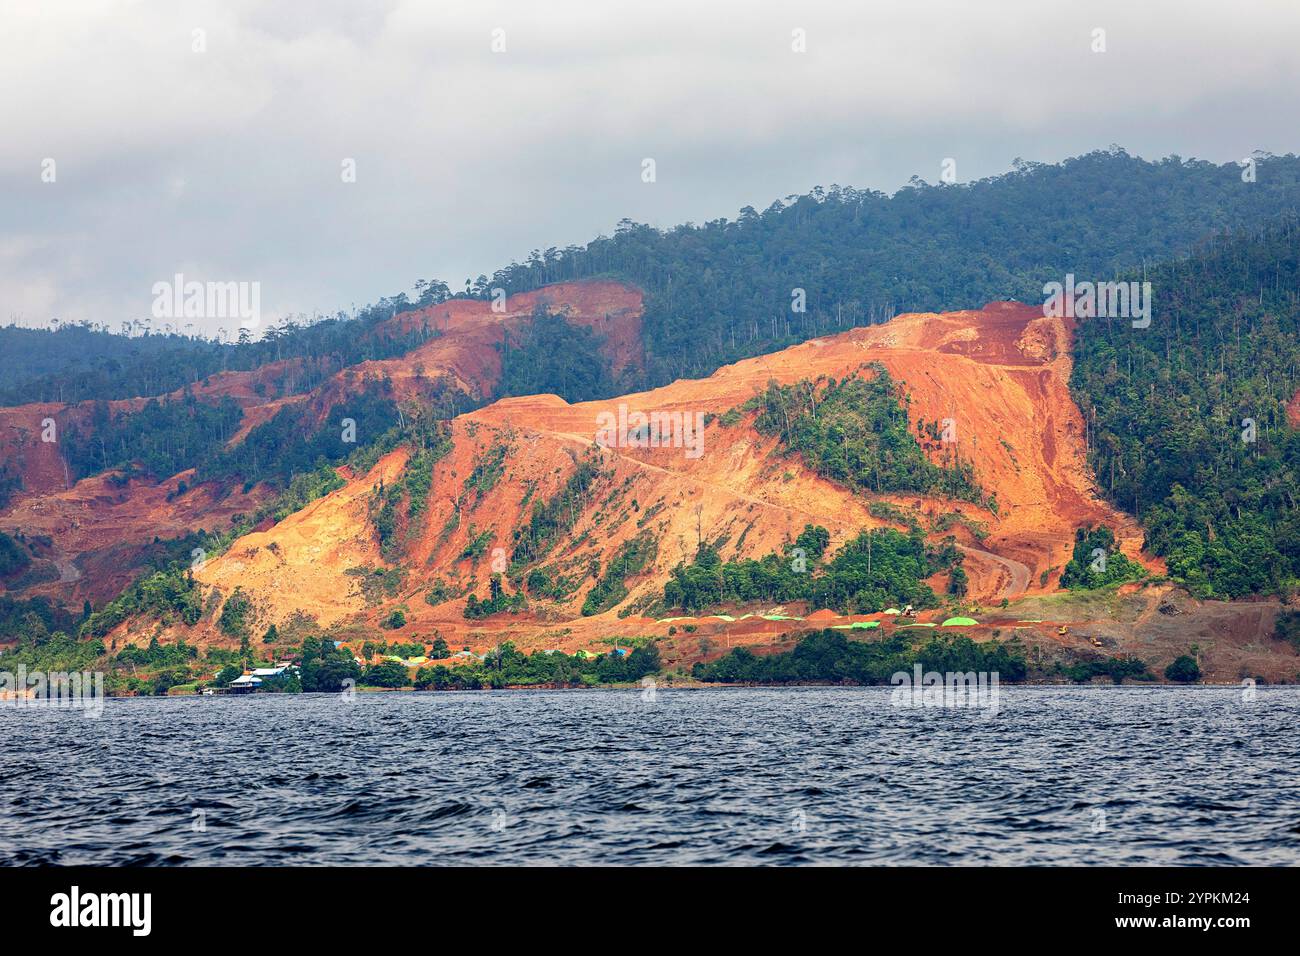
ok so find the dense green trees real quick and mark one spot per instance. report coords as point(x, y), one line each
point(957, 582)
point(325, 668)
point(22, 618)
point(813, 541)
point(877, 569)
point(293, 441)
point(551, 355)
point(236, 615)
point(1187, 419)
point(1096, 561)
point(386, 674)
point(161, 439)
point(13, 556)
point(172, 595)
point(78, 362)
point(627, 667)
point(829, 656)
point(1287, 628)
point(1184, 670)
point(506, 666)
point(724, 290)
point(157, 654)
point(53, 651)
point(60, 365)
point(1116, 668)
point(857, 432)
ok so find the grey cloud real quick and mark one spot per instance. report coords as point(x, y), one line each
point(225, 165)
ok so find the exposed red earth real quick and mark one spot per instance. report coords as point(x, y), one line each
point(96, 528)
point(90, 521)
point(1000, 373)
point(471, 330)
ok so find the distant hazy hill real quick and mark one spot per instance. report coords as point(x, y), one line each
point(32, 354)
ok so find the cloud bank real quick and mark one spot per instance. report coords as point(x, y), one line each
point(213, 138)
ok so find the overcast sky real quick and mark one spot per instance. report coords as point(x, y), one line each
point(225, 164)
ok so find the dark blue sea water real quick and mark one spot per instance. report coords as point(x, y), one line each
point(1094, 775)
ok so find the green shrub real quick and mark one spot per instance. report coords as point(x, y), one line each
point(1183, 669)
point(235, 615)
point(386, 674)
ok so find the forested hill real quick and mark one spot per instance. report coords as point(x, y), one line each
point(31, 355)
point(1187, 418)
point(723, 290)
point(79, 362)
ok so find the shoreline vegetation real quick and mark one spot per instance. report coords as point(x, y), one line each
point(690, 684)
point(826, 657)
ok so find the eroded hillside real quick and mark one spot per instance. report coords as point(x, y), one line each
point(998, 375)
point(88, 536)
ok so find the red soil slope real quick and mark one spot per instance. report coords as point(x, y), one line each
point(1001, 373)
point(40, 464)
point(95, 528)
point(470, 332)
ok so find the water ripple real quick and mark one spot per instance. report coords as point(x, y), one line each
point(1146, 775)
